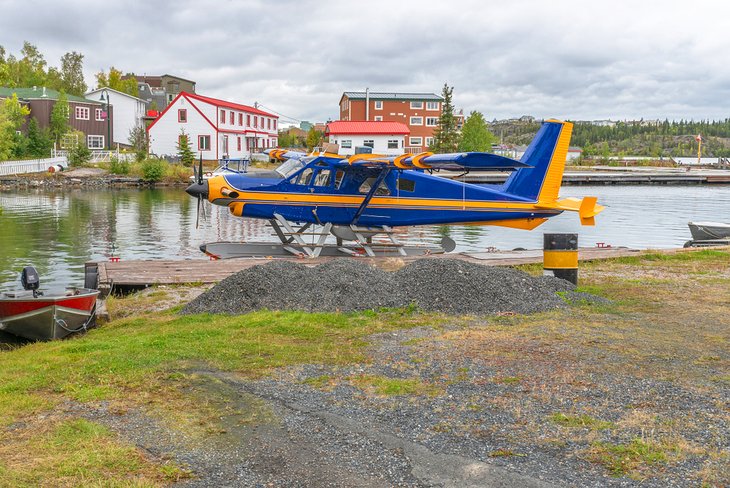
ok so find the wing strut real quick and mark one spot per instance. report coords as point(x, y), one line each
point(369, 196)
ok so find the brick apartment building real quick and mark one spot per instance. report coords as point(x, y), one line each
point(420, 112)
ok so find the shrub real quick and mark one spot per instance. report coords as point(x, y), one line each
point(79, 155)
point(118, 167)
point(153, 169)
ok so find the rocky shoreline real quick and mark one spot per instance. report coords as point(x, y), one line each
point(81, 177)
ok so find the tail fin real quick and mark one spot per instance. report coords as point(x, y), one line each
point(546, 154)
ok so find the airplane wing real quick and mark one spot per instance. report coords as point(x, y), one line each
point(468, 161)
point(283, 154)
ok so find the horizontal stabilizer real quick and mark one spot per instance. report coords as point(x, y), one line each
point(586, 207)
point(283, 154)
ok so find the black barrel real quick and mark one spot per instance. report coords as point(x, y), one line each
point(560, 256)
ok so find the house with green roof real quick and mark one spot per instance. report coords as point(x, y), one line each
point(85, 115)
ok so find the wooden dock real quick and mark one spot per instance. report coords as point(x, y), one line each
point(137, 274)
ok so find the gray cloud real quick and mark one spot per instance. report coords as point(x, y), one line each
point(578, 60)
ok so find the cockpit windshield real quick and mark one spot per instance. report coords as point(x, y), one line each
point(289, 167)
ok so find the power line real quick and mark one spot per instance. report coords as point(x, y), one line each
point(293, 119)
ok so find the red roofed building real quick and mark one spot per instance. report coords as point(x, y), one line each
point(216, 128)
point(382, 137)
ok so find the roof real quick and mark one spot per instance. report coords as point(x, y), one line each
point(366, 127)
point(223, 103)
point(36, 93)
point(115, 91)
point(392, 96)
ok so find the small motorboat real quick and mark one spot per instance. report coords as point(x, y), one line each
point(706, 231)
point(40, 316)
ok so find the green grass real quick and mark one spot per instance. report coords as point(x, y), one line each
point(628, 459)
point(701, 255)
point(385, 386)
point(580, 421)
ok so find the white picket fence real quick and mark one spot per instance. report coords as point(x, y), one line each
point(31, 165)
point(99, 156)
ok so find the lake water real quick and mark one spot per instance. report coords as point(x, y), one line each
point(59, 231)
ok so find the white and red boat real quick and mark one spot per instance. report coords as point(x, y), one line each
point(40, 316)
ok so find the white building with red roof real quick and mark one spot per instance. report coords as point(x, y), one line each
point(383, 137)
point(215, 128)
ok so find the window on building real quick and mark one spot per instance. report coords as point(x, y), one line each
point(416, 120)
point(170, 96)
point(223, 117)
point(417, 105)
point(182, 115)
point(274, 124)
point(255, 121)
point(378, 118)
point(415, 141)
point(248, 120)
point(99, 114)
point(392, 143)
point(95, 142)
point(268, 123)
point(432, 121)
point(240, 119)
point(203, 143)
point(429, 141)
point(232, 118)
point(82, 113)
point(378, 105)
point(432, 105)
point(368, 143)
point(261, 121)
point(406, 185)
point(239, 143)
point(346, 144)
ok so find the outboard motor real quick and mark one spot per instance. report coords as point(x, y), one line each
point(30, 280)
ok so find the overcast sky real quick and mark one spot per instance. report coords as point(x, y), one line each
point(567, 59)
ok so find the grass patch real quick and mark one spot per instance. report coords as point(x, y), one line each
point(385, 386)
point(580, 421)
point(505, 453)
point(508, 380)
point(323, 382)
point(632, 459)
point(77, 453)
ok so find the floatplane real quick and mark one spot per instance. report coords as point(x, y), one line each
point(357, 197)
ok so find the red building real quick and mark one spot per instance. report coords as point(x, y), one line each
point(420, 112)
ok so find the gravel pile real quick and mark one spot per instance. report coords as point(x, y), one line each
point(446, 285)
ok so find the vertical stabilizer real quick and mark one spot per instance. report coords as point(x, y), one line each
point(546, 155)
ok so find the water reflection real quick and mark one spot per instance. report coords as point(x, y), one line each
point(59, 231)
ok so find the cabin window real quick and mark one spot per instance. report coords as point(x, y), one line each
point(323, 177)
point(417, 105)
point(182, 115)
point(393, 144)
point(338, 178)
point(367, 184)
point(406, 185)
point(368, 143)
point(346, 144)
point(306, 177)
point(203, 143)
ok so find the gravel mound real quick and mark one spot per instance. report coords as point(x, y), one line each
point(446, 285)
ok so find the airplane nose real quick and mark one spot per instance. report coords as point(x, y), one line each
point(198, 189)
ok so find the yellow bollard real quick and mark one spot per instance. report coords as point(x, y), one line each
point(560, 256)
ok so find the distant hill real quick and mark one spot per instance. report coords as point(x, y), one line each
point(635, 138)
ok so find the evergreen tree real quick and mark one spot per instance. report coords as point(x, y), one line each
point(475, 135)
point(59, 117)
point(39, 141)
point(184, 151)
point(139, 142)
point(446, 135)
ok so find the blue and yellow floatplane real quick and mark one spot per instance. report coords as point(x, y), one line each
point(356, 197)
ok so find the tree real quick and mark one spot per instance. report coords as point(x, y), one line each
point(475, 135)
point(446, 136)
point(114, 81)
point(15, 111)
point(12, 117)
point(138, 139)
point(72, 73)
point(314, 138)
point(39, 140)
point(184, 151)
point(31, 69)
point(59, 117)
